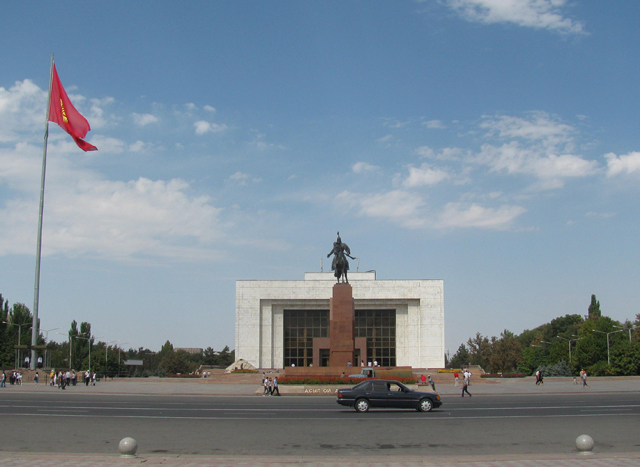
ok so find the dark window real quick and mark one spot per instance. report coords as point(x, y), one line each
point(379, 327)
point(300, 327)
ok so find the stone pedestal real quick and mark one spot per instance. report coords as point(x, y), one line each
point(342, 326)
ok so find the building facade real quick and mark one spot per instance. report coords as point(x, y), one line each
point(285, 323)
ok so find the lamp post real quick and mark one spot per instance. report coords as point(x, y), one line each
point(88, 339)
point(119, 349)
point(46, 339)
point(106, 353)
point(608, 348)
point(70, 337)
point(630, 329)
point(19, 335)
point(569, 341)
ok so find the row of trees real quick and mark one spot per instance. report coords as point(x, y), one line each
point(81, 351)
point(595, 343)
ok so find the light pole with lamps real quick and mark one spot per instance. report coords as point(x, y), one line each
point(569, 341)
point(106, 353)
point(119, 348)
point(88, 339)
point(70, 337)
point(46, 339)
point(630, 329)
point(607, 333)
point(19, 335)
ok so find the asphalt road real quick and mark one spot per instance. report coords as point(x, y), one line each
point(288, 426)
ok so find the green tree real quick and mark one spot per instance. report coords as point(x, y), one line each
point(175, 362)
point(461, 358)
point(480, 348)
point(594, 309)
point(506, 353)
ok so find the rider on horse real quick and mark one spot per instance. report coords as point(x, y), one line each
point(340, 264)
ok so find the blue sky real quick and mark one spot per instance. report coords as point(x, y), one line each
point(488, 143)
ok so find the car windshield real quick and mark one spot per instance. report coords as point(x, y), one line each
point(395, 386)
point(362, 385)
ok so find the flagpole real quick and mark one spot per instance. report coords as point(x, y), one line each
point(35, 327)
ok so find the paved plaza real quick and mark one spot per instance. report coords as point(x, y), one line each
point(203, 387)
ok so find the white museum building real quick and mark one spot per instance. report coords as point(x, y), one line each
point(285, 323)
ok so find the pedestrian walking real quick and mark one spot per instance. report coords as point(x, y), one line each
point(3, 380)
point(433, 385)
point(275, 386)
point(265, 385)
point(464, 388)
point(583, 376)
point(455, 377)
point(36, 379)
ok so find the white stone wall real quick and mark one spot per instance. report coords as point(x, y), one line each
point(419, 306)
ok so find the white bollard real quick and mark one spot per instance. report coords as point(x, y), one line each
point(585, 444)
point(128, 447)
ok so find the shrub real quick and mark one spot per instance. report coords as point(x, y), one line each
point(311, 380)
point(559, 369)
point(503, 375)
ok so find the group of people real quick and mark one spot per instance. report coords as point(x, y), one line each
point(423, 380)
point(15, 377)
point(63, 379)
point(270, 386)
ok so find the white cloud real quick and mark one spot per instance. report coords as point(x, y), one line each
point(538, 146)
point(22, 108)
point(625, 164)
point(209, 108)
point(539, 126)
point(144, 119)
point(243, 178)
point(537, 14)
point(102, 218)
point(446, 154)
point(107, 144)
point(409, 210)
point(434, 124)
point(203, 127)
point(464, 216)
point(190, 106)
point(362, 167)
point(139, 146)
point(397, 205)
point(424, 175)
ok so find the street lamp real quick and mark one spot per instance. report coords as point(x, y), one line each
point(607, 333)
point(569, 341)
point(541, 342)
point(630, 329)
point(119, 349)
point(19, 335)
point(46, 339)
point(106, 353)
point(88, 339)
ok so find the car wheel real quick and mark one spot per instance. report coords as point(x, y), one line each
point(425, 405)
point(361, 405)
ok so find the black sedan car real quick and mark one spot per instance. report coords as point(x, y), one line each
point(387, 393)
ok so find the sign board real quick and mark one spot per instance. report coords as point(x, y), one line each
point(133, 362)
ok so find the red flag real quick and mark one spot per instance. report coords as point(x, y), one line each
point(62, 112)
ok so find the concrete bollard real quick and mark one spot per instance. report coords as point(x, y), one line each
point(585, 444)
point(128, 447)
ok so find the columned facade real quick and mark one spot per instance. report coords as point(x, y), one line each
point(397, 322)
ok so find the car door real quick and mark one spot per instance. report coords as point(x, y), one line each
point(379, 394)
point(399, 396)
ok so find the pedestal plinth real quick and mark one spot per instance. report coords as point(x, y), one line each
point(341, 326)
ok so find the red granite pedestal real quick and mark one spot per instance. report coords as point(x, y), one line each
point(342, 326)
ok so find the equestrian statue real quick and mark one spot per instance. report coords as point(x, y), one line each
point(340, 264)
